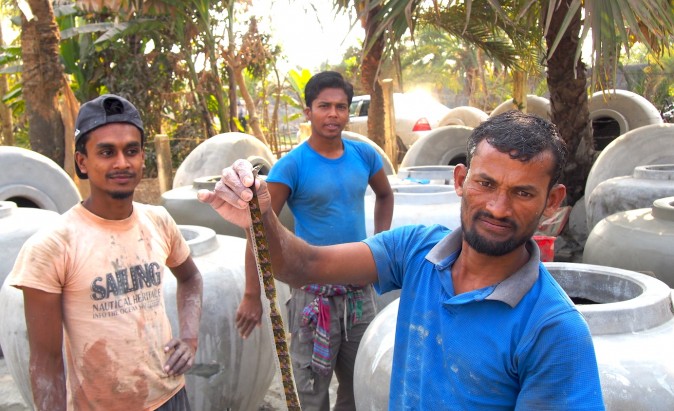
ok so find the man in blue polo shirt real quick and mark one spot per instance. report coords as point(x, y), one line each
point(482, 325)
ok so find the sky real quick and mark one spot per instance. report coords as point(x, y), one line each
point(309, 36)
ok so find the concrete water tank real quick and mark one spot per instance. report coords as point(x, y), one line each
point(419, 204)
point(615, 112)
point(229, 372)
point(30, 179)
point(441, 146)
point(464, 116)
point(535, 105)
point(17, 224)
point(631, 320)
point(640, 240)
point(645, 185)
point(186, 209)
point(647, 145)
point(220, 151)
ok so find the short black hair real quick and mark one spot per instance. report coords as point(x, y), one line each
point(323, 80)
point(523, 136)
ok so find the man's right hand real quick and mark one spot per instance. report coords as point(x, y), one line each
point(232, 194)
point(248, 315)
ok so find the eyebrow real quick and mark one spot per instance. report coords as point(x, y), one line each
point(525, 187)
point(110, 145)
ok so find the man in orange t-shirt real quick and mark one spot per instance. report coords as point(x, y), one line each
point(92, 282)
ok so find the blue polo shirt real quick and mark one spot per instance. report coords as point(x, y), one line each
point(519, 344)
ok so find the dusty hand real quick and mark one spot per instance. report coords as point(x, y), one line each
point(232, 193)
point(248, 315)
point(182, 357)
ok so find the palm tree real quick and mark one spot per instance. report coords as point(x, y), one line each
point(612, 24)
point(42, 79)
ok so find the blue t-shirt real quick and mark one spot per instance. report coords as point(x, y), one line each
point(326, 195)
point(520, 344)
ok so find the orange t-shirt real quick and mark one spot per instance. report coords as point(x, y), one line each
point(110, 274)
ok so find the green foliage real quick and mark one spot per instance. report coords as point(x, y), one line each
point(298, 81)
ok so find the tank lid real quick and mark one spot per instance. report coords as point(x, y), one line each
point(207, 183)
point(663, 208)
point(664, 172)
point(7, 208)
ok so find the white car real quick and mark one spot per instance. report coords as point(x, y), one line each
point(415, 114)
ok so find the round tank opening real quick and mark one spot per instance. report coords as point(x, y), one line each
point(457, 160)
point(604, 130)
point(422, 189)
point(660, 167)
point(586, 287)
point(582, 301)
point(188, 234)
point(425, 169)
point(207, 183)
point(23, 202)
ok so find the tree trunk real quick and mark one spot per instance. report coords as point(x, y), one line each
point(6, 131)
point(368, 68)
point(567, 82)
point(233, 104)
point(42, 80)
point(520, 90)
point(219, 93)
point(254, 121)
point(199, 97)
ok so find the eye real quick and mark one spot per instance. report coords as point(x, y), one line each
point(105, 152)
point(486, 184)
point(133, 151)
point(524, 194)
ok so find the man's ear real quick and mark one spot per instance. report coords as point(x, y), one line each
point(79, 159)
point(307, 113)
point(460, 174)
point(556, 195)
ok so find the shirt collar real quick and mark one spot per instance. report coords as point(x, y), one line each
point(512, 289)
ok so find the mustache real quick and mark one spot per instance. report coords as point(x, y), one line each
point(123, 174)
point(488, 215)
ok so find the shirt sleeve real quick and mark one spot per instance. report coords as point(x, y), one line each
point(401, 252)
point(179, 250)
point(558, 368)
point(40, 264)
point(376, 162)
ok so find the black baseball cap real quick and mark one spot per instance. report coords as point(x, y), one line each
point(102, 110)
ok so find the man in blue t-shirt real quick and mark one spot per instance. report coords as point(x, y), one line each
point(482, 325)
point(323, 180)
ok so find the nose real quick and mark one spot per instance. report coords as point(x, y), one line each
point(499, 205)
point(121, 161)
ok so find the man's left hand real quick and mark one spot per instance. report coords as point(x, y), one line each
point(181, 359)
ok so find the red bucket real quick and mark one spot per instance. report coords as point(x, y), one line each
point(546, 244)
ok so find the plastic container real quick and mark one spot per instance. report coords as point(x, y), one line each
point(547, 245)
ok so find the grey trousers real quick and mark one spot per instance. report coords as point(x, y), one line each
point(313, 388)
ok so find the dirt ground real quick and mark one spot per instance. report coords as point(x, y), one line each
point(147, 192)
